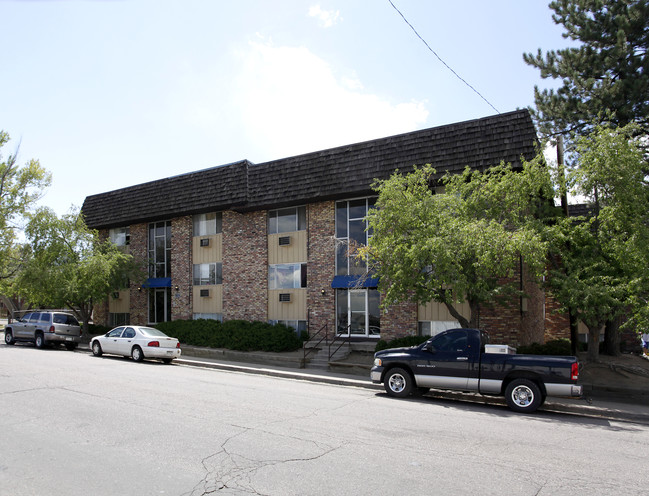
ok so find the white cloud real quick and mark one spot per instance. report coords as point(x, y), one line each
point(292, 102)
point(327, 18)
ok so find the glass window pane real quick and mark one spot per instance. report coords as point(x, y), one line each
point(287, 220)
point(341, 310)
point(341, 219)
point(357, 209)
point(341, 258)
point(272, 222)
point(301, 218)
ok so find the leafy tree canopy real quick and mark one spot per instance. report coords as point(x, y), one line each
point(457, 246)
point(69, 265)
point(606, 78)
point(20, 189)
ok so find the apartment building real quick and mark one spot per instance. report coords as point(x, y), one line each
point(269, 241)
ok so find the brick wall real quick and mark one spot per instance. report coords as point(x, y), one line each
point(557, 322)
point(181, 268)
point(321, 266)
point(139, 297)
point(399, 320)
point(245, 266)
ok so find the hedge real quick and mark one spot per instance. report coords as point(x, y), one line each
point(240, 335)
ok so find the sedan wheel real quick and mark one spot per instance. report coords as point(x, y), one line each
point(96, 349)
point(137, 354)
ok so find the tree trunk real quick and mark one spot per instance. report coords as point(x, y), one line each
point(574, 333)
point(612, 336)
point(593, 342)
point(464, 322)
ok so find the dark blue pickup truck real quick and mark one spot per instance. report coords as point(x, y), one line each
point(463, 360)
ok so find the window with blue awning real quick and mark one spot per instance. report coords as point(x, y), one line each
point(157, 282)
point(354, 281)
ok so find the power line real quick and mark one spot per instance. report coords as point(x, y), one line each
point(440, 59)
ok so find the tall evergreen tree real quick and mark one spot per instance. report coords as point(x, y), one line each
point(606, 78)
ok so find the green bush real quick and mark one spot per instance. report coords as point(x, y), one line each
point(96, 329)
point(400, 342)
point(240, 335)
point(558, 347)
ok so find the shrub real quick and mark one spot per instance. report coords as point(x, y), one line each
point(240, 335)
point(96, 329)
point(400, 342)
point(559, 347)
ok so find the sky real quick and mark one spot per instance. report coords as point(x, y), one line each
point(112, 93)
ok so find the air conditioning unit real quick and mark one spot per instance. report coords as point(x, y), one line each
point(284, 240)
point(205, 293)
point(285, 297)
point(205, 242)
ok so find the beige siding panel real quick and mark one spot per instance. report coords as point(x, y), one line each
point(208, 304)
point(293, 310)
point(207, 254)
point(295, 252)
point(434, 311)
point(120, 305)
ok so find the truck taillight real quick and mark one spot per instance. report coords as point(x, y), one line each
point(574, 371)
point(155, 344)
point(51, 329)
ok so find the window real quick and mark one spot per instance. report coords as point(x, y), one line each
point(208, 273)
point(160, 249)
point(432, 328)
point(118, 319)
point(207, 224)
point(286, 220)
point(287, 276)
point(351, 231)
point(120, 236)
point(208, 316)
point(451, 342)
point(299, 326)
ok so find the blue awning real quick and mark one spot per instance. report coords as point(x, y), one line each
point(157, 282)
point(358, 281)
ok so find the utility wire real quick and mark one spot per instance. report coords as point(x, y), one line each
point(440, 59)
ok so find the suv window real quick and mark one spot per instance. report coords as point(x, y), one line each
point(25, 318)
point(44, 318)
point(63, 318)
point(34, 317)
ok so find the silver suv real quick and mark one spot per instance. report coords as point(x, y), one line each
point(45, 327)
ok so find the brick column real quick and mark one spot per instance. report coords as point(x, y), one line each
point(139, 297)
point(245, 266)
point(181, 268)
point(321, 266)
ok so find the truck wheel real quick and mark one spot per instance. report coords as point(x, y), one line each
point(398, 383)
point(523, 395)
point(9, 337)
point(40, 340)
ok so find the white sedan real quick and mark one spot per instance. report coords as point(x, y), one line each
point(138, 342)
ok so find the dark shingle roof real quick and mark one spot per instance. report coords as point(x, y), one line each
point(344, 171)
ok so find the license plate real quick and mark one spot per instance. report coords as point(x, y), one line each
point(170, 352)
point(69, 339)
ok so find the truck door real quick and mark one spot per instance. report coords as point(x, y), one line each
point(444, 361)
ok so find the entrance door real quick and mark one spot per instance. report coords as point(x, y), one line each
point(159, 305)
point(358, 312)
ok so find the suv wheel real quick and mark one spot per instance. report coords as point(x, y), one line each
point(40, 340)
point(9, 337)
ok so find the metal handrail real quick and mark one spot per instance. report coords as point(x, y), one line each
point(345, 339)
point(315, 346)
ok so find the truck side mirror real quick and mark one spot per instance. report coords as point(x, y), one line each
point(430, 348)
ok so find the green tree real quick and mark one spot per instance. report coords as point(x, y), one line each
point(458, 246)
point(20, 189)
point(69, 266)
point(601, 259)
point(606, 78)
